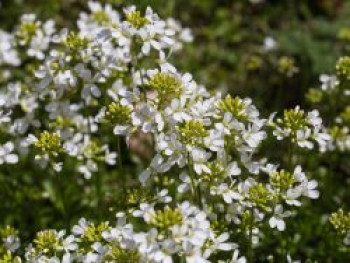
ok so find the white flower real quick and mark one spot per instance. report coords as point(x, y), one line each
point(309, 189)
point(276, 221)
point(269, 43)
point(233, 169)
point(253, 136)
point(227, 193)
point(8, 55)
point(200, 158)
point(302, 138)
point(11, 243)
point(6, 155)
point(329, 82)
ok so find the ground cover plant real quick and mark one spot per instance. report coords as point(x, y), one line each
point(112, 150)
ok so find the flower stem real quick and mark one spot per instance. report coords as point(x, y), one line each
point(195, 185)
point(61, 190)
point(250, 237)
point(120, 166)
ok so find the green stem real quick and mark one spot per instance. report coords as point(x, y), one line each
point(120, 166)
point(120, 161)
point(60, 178)
point(290, 156)
point(195, 185)
point(250, 237)
point(98, 186)
point(199, 195)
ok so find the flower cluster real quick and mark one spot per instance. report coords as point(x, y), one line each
point(9, 244)
point(341, 223)
point(90, 93)
point(301, 128)
point(335, 91)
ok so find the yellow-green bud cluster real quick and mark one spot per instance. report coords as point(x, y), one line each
point(26, 32)
point(5, 254)
point(49, 143)
point(286, 66)
point(236, 106)
point(101, 17)
point(217, 172)
point(343, 67)
point(282, 180)
point(118, 114)
point(314, 95)
point(338, 133)
point(63, 122)
point(340, 221)
point(260, 197)
point(136, 19)
point(166, 218)
point(167, 86)
point(47, 242)
point(137, 196)
point(7, 231)
point(254, 63)
point(193, 133)
point(76, 42)
point(118, 254)
point(93, 151)
point(7, 257)
point(293, 119)
point(93, 233)
point(344, 34)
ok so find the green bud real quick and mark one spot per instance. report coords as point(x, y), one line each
point(254, 63)
point(166, 218)
point(217, 172)
point(136, 196)
point(136, 19)
point(340, 222)
point(282, 180)
point(49, 143)
point(118, 114)
point(314, 95)
point(101, 17)
point(7, 231)
point(193, 133)
point(344, 34)
point(93, 151)
point(286, 66)
point(338, 133)
point(293, 119)
point(118, 254)
point(92, 233)
point(7, 257)
point(167, 86)
point(26, 32)
point(236, 106)
point(76, 42)
point(343, 67)
point(47, 242)
point(260, 197)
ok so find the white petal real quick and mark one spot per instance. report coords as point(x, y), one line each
point(11, 158)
